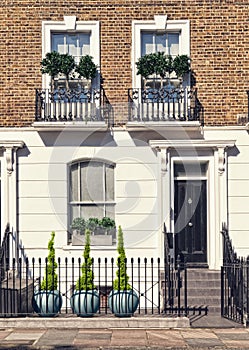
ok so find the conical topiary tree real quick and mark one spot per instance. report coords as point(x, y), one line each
point(85, 282)
point(50, 279)
point(121, 281)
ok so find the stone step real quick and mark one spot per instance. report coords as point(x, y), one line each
point(203, 284)
point(201, 292)
point(205, 300)
point(192, 275)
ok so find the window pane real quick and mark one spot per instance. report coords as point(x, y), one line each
point(161, 42)
point(173, 43)
point(92, 211)
point(84, 44)
point(74, 184)
point(147, 42)
point(71, 41)
point(75, 211)
point(109, 211)
point(92, 188)
point(58, 43)
point(109, 185)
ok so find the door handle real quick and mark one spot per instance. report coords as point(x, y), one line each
point(190, 224)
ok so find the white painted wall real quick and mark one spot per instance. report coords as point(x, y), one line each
point(42, 189)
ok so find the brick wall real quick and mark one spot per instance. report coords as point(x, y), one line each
point(219, 50)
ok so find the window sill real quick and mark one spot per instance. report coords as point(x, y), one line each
point(70, 126)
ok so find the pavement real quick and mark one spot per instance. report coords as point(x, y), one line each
point(129, 333)
point(120, 338)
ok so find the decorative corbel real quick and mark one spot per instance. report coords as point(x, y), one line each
point(9, 159)
point(221, 160)
point(10, 148)
point(164, 161)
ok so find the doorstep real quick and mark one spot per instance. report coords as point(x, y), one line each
point(95, 322)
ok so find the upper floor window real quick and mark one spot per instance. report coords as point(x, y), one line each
point(76, 38)
point(159, 35)
point(75, 44)
point(152, 42)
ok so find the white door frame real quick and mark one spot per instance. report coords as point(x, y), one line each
point(215, 154)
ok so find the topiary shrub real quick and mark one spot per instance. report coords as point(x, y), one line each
point(86, 68)
point(50, 279)
point(121, 281)
point(181, 65)
point(67, 66)
point(85, 282)
point(51, 65)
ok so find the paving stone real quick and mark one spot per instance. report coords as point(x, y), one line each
point(94, 335)
point(24, 335)
point(198, 333)
point(165, 338)
point(204, 342)
point(133, 337)
point(93, 343)
point(60, 337)
point(237, 336)
point(237, 344)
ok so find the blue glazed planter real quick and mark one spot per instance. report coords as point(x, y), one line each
point(123, 303)
point(85, 303)
point(47, 303)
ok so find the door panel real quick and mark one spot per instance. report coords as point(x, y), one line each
point(190, 209)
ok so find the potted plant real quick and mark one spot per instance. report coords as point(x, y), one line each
point(163, 65)
point(47, 300)
point(108, 225)
point(181, 66)
point(79, 225)
point(123, 300)
point(56, 63)
point(146, 66)
point(51, 65)
point(67, 66)
point(86, 68)
point(85, 300)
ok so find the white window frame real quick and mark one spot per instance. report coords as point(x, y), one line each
point(70, 24)
point(82, 203)
point(159, 23)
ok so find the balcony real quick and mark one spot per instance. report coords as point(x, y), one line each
point(163, 105)
point(77, 107)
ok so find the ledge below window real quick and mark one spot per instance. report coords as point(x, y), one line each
point(164, 125)
point(70, 126)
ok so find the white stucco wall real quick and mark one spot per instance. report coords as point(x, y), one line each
point(42, 188)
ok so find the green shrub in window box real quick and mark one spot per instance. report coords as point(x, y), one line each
point(103, 231)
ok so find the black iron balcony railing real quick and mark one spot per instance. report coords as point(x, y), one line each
point(163, 104)
point(88, 105)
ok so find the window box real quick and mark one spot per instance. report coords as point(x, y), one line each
point(96, 239)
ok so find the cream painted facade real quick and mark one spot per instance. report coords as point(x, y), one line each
point(34, 178)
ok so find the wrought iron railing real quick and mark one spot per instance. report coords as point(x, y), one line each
point(5, 253)
point(163, 104)
point(87, 105)
point(234, 283)
point(146, 279)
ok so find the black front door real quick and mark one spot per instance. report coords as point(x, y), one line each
point(190, 210)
